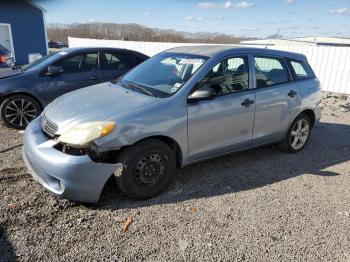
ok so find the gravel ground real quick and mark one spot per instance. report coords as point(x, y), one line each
point(260, 205)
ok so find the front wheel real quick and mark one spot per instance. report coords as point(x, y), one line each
point(147, 169)
point(18, 111)
point(298, 135)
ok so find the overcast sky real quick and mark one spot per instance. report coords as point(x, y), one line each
point(258, 18)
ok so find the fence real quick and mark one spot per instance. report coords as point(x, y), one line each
point(331, 64)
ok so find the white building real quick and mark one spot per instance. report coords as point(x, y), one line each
point(305, 41)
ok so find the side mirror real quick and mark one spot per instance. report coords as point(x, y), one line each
point(204, 93)
point(54, 70)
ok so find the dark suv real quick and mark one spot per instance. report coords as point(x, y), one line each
point(24, 93)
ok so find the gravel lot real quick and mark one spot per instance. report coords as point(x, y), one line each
point(260, 205)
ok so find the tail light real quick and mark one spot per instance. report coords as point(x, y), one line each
point(2, 59)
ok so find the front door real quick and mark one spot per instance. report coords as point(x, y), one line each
point(80, 70)
point(224, 123)
point(277, 99)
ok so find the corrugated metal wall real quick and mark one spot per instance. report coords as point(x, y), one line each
point(28, 28)
point(331, 64)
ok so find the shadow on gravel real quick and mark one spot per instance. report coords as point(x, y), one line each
point(328, 146)
point(6, 251)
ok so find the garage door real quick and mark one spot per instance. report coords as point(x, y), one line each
point(5, 37)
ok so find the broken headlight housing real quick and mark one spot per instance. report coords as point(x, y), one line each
point(83, 134)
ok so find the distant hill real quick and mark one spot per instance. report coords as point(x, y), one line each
point(135, 32)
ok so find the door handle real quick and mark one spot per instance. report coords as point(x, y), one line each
point(292, 93)
point(95, 77)
point(247, 102)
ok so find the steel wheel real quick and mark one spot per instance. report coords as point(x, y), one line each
point(300, 134)
point(149, 169)
point(19, 110)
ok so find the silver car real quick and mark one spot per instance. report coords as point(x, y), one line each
point(182, 106)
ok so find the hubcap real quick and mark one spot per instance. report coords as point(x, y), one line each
point(299, 134)
point(149, 169)
point(20, 112)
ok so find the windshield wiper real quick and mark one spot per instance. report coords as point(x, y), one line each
point(140, 88)
point(116, 80)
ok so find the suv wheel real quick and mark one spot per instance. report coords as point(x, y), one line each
point(298, 135)
point(148, 168)
point(18, 111)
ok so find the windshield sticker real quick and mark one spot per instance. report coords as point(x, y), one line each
point(63, 53)
point(173, 90)
point(190, 61)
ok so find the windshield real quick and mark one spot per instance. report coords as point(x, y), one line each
point(44, 61)
point(166, 73)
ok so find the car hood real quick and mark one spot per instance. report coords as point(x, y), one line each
point(95, 103)
point(7, 73)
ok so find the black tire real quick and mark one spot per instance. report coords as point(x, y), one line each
point(148, 168)
point(287, 143)
point(17, 111)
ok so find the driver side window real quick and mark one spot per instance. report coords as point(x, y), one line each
point(229, 76)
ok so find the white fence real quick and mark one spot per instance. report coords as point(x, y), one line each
point(331, 64)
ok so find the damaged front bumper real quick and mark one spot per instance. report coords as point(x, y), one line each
point(76, 178)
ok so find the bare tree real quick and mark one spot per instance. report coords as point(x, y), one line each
point(134, 32)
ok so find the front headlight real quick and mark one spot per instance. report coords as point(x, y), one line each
point(82, 135)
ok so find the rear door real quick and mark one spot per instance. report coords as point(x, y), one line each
point(80, 70)
point(277, 99)
point(224, 123)
point(116, 63)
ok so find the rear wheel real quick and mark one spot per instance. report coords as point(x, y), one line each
point(148, 168)
point(298, 135)
point(18, 111)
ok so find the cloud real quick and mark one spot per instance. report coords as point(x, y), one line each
point(193, 18)
point(227, 5)
point(207, 5)
point(243, 4)
point(290, 1)
point(341, 11)
point(147, 13)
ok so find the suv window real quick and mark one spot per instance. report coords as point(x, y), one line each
point(115, 61)
point(301, 70)
point(270, 71)
point(228, 76)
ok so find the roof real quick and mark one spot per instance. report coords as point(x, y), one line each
point(77, 49)
point(36, 5)
point(214, 50)
point(94, 49)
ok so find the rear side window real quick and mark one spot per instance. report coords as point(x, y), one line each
point(138, 60)
point(89, 62)
point(270, 71)
point(301, 70)
point(116, 61)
